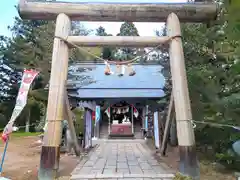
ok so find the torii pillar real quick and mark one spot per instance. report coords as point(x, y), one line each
point(186, 140)
point(50, 153)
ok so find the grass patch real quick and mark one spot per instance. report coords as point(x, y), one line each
point(211, 171)
point(79, 127)
point(16, 135)
point(181, 177)
point(208, 171)
point(25, 134)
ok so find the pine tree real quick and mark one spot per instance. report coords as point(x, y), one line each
point(9, 81)
point(107, 52)
point(127, 29)
point(76, 55)
point(211, 56)
point(100, 31)
point(29, 48)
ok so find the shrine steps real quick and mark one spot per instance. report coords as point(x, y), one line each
point(121, 136)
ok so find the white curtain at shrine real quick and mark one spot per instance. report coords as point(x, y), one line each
point(87, 104)
point(88, 129)
point(90, 105)
point(156, 132)
point(119, 110)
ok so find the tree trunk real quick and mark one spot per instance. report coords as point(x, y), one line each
point(28, 120)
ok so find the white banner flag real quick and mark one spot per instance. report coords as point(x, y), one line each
point(27, 79)
point(97, 114)
point(156, 132)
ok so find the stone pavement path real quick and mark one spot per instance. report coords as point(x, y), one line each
point(125, 159)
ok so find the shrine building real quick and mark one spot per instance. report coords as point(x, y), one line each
point(124, 101)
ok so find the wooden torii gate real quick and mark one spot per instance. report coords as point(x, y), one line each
point(65, 12)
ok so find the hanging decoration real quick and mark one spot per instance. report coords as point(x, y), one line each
point(118, 110)
point(87, 104)
point(135, 111)
point(120, 69)
point(108, 111)
point(123, 69)
point(107, 70)
point(93, 115)
point(21, 101)
point(130, 70)
point(126, 120)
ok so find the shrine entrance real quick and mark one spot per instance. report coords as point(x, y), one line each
point(64, 12)
point(123, 120)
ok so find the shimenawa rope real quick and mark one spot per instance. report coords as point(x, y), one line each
point(135, 59)
point(115, 62)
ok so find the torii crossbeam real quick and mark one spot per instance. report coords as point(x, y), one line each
point(65, 12)
point(144, 12)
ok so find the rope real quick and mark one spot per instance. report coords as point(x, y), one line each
point(194, 122)
point(212, 124)
point(21, 126)
point(217, 124)
point(135, 59)
point(116, 62)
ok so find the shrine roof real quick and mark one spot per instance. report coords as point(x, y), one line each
point(89, 81)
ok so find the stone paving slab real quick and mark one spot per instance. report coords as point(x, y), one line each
point(124, 179)
point(119, 176)
point(125, 160)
